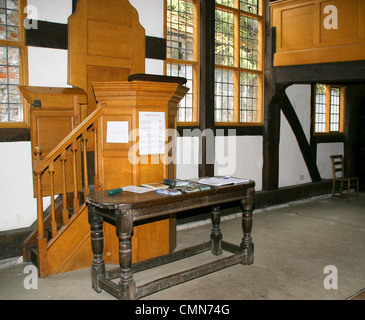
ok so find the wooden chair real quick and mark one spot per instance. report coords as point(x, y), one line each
point(340, 181)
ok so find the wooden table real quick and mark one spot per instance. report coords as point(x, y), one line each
point(126, 208)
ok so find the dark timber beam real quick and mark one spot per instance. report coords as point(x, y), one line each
point(206, 96)
point(271, 139)
point(339, 73)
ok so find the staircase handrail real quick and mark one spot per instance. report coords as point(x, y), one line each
point(65, 143)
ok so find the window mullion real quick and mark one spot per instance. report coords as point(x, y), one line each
point(237, 75)
point(328, 108)
point(342, 110)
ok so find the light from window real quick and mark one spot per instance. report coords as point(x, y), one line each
point(10, 99)
point(224, 38)
point(248, 97)
point(251, 6)
point(180, 29)
point(185, 113)
point(224, 90)
point(335, 109)
point(328, 109)
point(249, 53)
point(181, 60)
point(320, 118)
point(238, 76)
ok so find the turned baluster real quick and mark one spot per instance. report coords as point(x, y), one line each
point(74, 166)
point(86, 180)
point(41, 239)
point(38, 173)
point(64, 189)
point(53, 211)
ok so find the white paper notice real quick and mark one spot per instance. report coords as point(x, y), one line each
point(117, 132)
point(151, 133)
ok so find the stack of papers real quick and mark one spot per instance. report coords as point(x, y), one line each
point(215, 181)
point(136, 189)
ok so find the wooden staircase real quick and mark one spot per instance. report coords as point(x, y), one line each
point(62, 239)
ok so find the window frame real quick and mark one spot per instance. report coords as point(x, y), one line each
point(328, 109)
point(195, 63)
point(237, 69)
point(23, 68)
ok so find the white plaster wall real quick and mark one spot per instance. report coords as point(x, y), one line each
point(151, 17)
point(324, 151)
point(300, 98)
point(239, 156)
point(292, 167)
point(187, 158)
point(52, 10)
point(47, 67)
point(18, 207)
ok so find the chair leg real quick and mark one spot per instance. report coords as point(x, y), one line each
point(348, 190)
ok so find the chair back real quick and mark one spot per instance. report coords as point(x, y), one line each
point(337, 166)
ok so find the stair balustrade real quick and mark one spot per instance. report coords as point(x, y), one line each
point(74, 142)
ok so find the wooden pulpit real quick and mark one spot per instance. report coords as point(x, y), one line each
point(136, 145)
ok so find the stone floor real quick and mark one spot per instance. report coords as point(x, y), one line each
point(294, 244)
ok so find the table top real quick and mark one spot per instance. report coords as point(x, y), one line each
point(143, 203)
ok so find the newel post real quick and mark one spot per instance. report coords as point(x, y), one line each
point(41, 239)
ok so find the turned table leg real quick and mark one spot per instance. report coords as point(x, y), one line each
point(98, 266)
point(124, 226)
point(216, 235)
point(246, 244)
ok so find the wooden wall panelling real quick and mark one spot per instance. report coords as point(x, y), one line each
point(72, 251)
point(106, 43)
point(305, 37)
point(50, 123)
